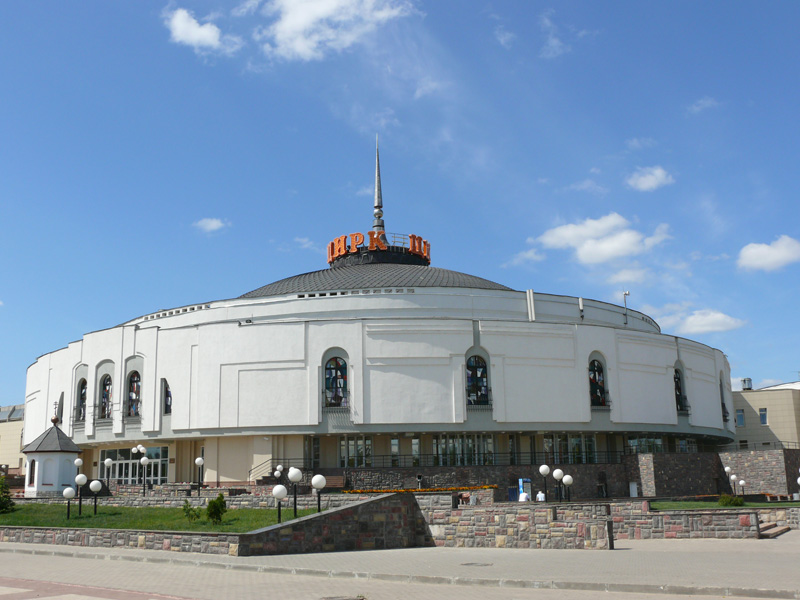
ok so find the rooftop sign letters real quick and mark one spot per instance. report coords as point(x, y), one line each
point(376, 242)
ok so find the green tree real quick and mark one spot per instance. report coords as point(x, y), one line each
point(216, 508)
point(6, 503)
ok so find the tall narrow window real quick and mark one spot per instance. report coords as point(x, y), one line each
point(597, 384)
point(105, 398)
point(32, 472)
point(80, 406)
point(681, 402)
point(762, 416)
point(167, 396)
point(336, 392)
point(740, 417)
point(477, 381)
point(134, 394)
point(725, 413)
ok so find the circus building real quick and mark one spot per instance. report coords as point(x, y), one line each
point(381, 365)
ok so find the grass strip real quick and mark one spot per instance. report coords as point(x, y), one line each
point(240, 520)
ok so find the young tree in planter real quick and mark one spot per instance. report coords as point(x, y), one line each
point(6, 503)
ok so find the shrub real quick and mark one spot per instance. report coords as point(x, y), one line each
point(6, 503)
point(190, 512)
point(726, 500)
point(216, 508)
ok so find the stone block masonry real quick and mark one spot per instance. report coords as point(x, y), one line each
point(387, 521)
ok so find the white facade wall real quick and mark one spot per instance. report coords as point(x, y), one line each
point(406, 356)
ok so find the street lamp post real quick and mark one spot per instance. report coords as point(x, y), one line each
point(318, 482)
point(568, 481)
point(544, 471)
point(295, 475)
point(108, 462)
point(144, 461)
point(80, 481)
point(69, 494)
point(741, 487)
point(95, 486)
point(134, 452)
point(279, 492)
point(199, 462)
point(558, 475)
point(733, 483)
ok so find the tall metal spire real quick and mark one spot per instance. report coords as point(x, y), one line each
point(377, 224)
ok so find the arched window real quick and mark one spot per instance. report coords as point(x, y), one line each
point(681, 401)
point(31, 472)
point(167, 395)
point(598, 394)
point(336, 390)
point(725, 414)
point(105, 398)
point(80, 406)
point(134, 394)
point(477, 381)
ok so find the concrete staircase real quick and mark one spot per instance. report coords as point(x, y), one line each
point(768, 531)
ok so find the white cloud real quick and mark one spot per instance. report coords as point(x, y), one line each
point(1, 303)
point(311, 29)
point(769, 257)
point(367, 190)
point(602, 240)
point(307, 244)
point(525, 257)
point(685, 321)
point(708, 321)
point(248, 7)
point(704, 103)
point(640, 143)
point(185, 29)
point(629, 276)
point(427, 85)
point(553, 45)
point(595, 171)
point(647, 179)
point(505, 37)
point(211, 225)
point(587, 185)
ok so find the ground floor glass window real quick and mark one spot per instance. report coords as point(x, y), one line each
point(127, 470)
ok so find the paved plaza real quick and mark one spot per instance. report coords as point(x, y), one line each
point(708, 568)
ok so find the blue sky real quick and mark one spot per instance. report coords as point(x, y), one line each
point(154, 155)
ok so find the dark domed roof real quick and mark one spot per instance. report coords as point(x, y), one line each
point(376, 275)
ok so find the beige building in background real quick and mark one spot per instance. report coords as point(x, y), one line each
point(12, 422)
point(768, 417)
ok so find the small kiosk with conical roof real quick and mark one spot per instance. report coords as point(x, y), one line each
point(51, 463)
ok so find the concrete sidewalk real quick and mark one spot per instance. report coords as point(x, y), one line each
point(742, 568)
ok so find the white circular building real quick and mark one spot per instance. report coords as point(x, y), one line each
point(378, 361)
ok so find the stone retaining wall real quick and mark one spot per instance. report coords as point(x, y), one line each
point(384, 522)
point(519, 525)
point(175, 541)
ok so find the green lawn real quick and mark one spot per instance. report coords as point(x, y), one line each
point(239, 520)
point(694, 505)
